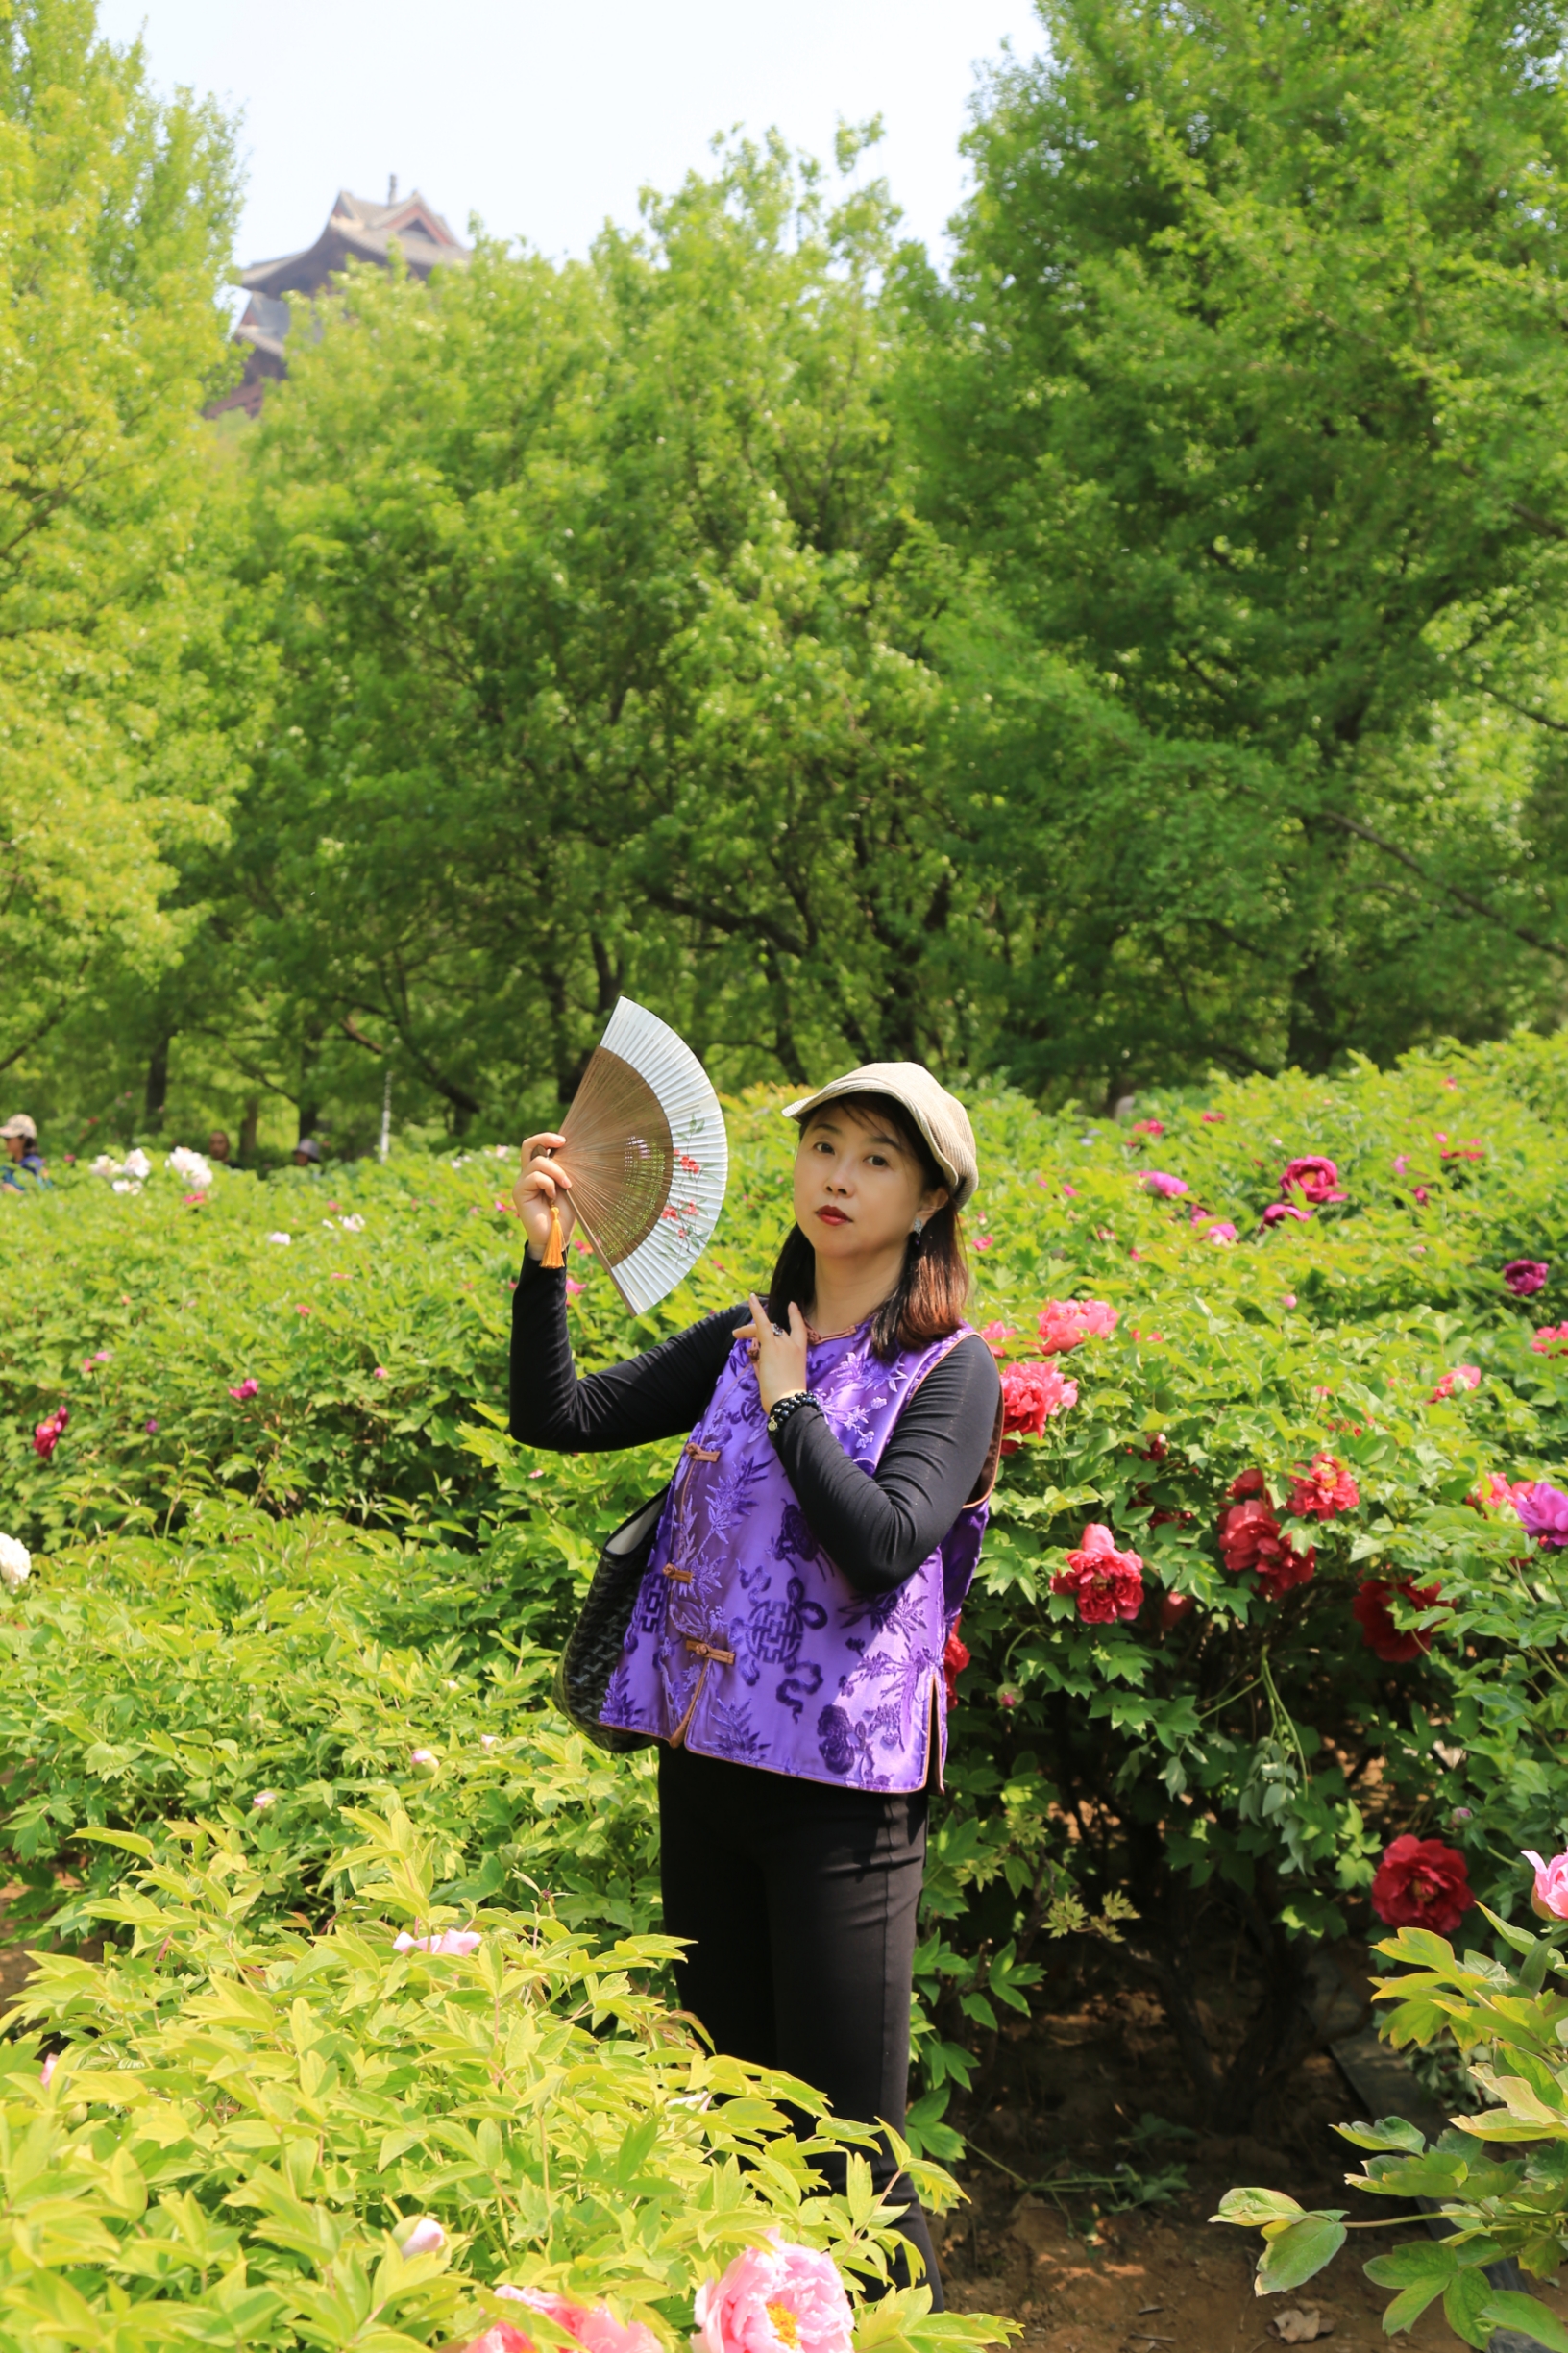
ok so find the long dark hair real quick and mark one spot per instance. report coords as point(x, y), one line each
point(927, 1300)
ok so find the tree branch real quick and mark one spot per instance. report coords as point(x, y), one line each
point(1449, 890)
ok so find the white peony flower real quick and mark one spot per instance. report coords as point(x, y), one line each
point(190, 1165)
point(15, 1563)
point(352, 1225)
point(285, 1238)
point(127, 1185)
point(106, 1166)
point(138, 1165)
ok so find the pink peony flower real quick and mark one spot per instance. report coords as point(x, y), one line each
point(774, 2299)
point(1420, 1884)
point(460, 1941)
point(1212, 1118)
point(574, 1289)
point(1278, 1211)
point(1314, 1178)
point(1455, 1383)
point(1323, 1491)
point(984, 1242)
point(1549, 1897)
point(1551, 1341)
point(1065, 1323)
point(422, 2236)
point(47, 1434)
point(1213, 1229)
point(1148, 1127)
point(1031, 1393)
point(1105, 1584)
point(1525, 1277)
point(1169, 1187)
point(592, 2325)
point(1395, 1645)
point(1492, 1492)
point(248, 1387)
point(380, 1373)
point(1544, 1511)
point(997, 1336)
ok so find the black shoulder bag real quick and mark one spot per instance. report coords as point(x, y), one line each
point(594, 1647)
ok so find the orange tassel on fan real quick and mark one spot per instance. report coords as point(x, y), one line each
point(555, 1255)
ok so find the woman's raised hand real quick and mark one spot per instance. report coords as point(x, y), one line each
point(779, 1357)
point(542, 1186)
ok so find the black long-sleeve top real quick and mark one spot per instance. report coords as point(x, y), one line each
point(878, 1528)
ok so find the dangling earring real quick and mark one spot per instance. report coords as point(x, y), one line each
point(918, 1228)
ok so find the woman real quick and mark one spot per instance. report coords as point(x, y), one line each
point(822, 1529)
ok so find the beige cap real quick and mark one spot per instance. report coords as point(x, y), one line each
point(940, 1116)
point(21, 1125)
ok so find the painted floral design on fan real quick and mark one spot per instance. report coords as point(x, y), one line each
point(743, 1624)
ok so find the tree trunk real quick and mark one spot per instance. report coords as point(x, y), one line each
point(158, 1077)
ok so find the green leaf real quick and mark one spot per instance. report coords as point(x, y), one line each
point(1508, 2308)
point(1298, 2253)
point(1254, 2206)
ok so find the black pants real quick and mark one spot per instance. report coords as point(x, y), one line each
point(800, 1900)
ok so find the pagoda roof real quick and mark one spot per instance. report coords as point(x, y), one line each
point(359, 231)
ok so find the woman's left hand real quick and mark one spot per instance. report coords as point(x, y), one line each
point(779, 1357)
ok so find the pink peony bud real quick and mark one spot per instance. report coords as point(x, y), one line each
point(425, 1759)
point(774, 2299)
point(265, 1798)
point(380, 1373)
point(423, 2236)
point(1007, 1697)
point(459, 1941)
point(250, 1386)
point(1278, 1211)
point(487, 1740)
point(46, 2073)
point(1549, 1897)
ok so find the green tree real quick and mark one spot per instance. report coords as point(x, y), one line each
point(1252, 390)
point(598, 605)
point(117, 212)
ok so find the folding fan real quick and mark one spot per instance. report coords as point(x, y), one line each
point(648, 1156)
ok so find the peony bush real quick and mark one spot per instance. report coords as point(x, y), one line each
point(1274, 1580)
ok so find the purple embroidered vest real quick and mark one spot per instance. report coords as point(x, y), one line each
point(746, 1642)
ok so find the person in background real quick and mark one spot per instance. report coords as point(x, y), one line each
point(307, 1153)
point(21, 1138)
point(218, 1146)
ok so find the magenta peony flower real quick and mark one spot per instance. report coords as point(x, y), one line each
point(1169, 1187)
point(1551, 1341)
point(1031, 1393)
point(1278, 1211)
point(460, 1941)
point(422, 2236)
point(774, 2299)
point(248, 1387)
point(47, 1434)
point(1525, 1277)
point(1213, 1229)
point(1549, 1897)
point(151, 1426)
point(1314, 1178)
point(1104, 1583)
point(1544, 1512)
point(1065, 1323)
point(1420, 1884)
point(1455, 1383)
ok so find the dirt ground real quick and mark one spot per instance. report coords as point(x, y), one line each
point(1069, 2090)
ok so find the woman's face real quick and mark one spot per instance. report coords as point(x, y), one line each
point(858, 1187)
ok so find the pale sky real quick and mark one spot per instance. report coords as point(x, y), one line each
point(545, 120)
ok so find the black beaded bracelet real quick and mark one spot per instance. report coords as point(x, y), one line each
point(786, 1406)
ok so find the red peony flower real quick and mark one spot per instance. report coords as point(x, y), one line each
point(1395, 1645)
point(1031, 1393)
point(1104, 1583)
point(1250, 1539)
point(1065, 1323)
point(1148, 1127)
point(1314, 1178)
point(955, 1658)
point(1420, 1884)
point(1174, 1608)
point(1323, 1491)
